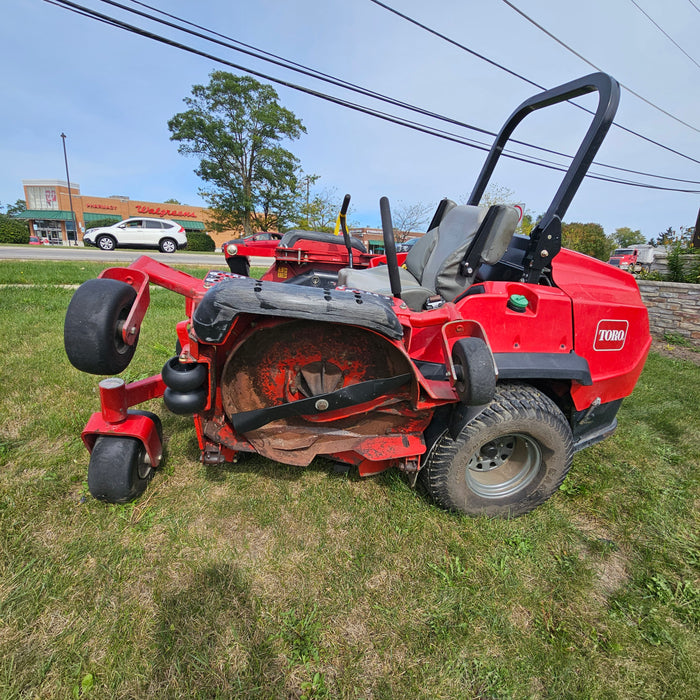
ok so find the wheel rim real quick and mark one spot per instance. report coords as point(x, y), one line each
point(143, 466)
point(106, 244)
point(120, 345)
point(168, 247)
point(504, 466)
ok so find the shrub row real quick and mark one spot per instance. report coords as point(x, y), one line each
point(199, 240)
point(101, 223)
point(13, 230)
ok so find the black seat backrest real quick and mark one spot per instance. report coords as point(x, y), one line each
point(447, 257)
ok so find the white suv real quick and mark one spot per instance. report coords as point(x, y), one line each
point(163, 234)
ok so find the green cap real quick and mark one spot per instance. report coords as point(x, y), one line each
point(517, 302)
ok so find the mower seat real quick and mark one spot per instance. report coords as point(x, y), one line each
point(444, 262)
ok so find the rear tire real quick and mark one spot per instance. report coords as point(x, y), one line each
point(106, 243)
point(511, 458)
point(92, 332)
point(168, 245)
point(119, 470)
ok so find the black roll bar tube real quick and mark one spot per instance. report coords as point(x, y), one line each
point(546, 236)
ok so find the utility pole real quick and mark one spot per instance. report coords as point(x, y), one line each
point(70, 194)
point(308, 179)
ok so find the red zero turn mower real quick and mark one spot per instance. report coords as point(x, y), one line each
point(479, 367)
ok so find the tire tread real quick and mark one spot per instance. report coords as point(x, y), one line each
point(512, 401)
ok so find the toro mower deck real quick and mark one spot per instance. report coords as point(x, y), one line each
point(478, 367)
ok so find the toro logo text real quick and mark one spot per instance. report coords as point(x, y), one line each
point(610, 334)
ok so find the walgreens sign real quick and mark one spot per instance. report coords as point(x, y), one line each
point(162, 211)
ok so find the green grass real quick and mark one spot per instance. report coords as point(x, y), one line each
point(56, 273)
point(42, 273)
point(259, 580)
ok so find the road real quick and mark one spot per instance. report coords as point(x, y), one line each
point(122, 257)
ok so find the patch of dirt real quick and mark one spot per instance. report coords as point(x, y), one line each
point(677, 352)
point(612, 573)
point(610, 570)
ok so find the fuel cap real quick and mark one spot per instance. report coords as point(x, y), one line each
point(517, 302)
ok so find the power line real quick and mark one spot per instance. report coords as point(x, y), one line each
point(285, 63)
point(93, 14)
point(325, 77)
point(678, 46)
point(88, 12)
point(456, 43)
point(452, 41)
point(585, 60)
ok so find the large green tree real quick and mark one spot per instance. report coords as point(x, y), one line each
point(235, 126)
point(625, 237)
point(587, 238)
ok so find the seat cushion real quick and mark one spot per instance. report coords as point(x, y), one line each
point(376, 279)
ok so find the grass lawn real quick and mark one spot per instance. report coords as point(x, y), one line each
point(259, 580)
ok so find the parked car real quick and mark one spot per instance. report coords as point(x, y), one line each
point(36, 240)
point(163, 234)
point(255, 238)
point(406, 246)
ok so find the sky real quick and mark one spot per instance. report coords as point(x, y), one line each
point(112, 94)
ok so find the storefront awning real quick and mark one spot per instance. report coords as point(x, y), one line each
point(190, 225)
point(46, 214)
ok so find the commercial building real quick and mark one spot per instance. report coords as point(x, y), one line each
point(373, 238)
point(58, 215)
point(54, 213)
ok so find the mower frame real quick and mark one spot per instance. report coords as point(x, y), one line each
point(527, 364)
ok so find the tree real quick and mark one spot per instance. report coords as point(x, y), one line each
point(276, 207)
point(321, 211)
point(666, 237)
point(497, 194)
point(13, 230)
point(625, 237)
point(587, 238)
point(234, 125)
point(526, 224)
point(408, 218)
point(13, 209)
point(314, 210)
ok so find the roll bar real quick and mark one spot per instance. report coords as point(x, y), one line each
point(546, 236)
